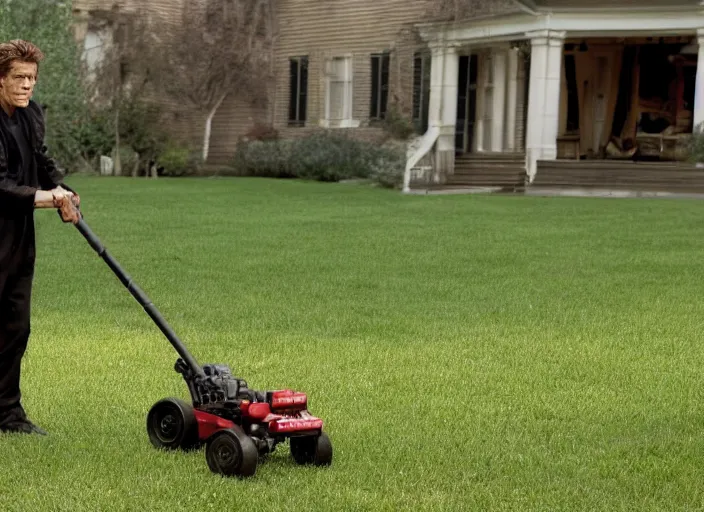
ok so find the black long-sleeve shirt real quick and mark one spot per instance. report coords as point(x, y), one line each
point(24, 168)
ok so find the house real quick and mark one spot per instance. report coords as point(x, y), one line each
point(518, 90)
point(339, 67)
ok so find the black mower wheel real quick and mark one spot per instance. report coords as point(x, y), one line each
point(172, 425)
point(315, 450)
point(231, 452)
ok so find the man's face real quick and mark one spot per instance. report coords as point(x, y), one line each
point(17, 86)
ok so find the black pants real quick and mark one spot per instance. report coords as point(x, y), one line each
point(16, 277)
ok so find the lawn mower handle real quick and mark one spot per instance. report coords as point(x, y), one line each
point(141, 297)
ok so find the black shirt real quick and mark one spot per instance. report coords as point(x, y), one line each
point(17, 223)
point(25, 168)
point(20, 156)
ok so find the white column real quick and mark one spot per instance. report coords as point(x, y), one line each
point(536, 102)
point(553, 82)
point(543, 97)
point(445, 161)
point(449, 88)
point(511, 99)
point(499, 100)
point(480, 104)
point(522, 105)
point(698, 114)
point(436, 89)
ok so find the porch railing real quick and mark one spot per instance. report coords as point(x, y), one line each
point(417, 151)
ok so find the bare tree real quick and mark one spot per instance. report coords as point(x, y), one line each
point(120, 78)
point(221, 47)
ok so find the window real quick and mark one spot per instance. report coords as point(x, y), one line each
point(298, 99)
point(380, 86)
point(421, 91)
point(95, 46)
point(338, 99)
point(338, 107)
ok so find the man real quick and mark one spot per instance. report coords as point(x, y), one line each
point(29, 179)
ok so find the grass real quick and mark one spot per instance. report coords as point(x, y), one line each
point(465, 352)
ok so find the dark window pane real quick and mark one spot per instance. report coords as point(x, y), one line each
point(417, 85)
point(384, 85)
point(374, 110)
point(293, 93)
point(303, 95)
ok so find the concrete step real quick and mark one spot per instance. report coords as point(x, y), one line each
point(497, 169)
point(519, 157)
point(620, 175)
point(611, 164)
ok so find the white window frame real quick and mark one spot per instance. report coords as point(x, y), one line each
point(347, 120)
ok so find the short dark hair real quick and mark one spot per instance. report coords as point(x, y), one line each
point(18, 50)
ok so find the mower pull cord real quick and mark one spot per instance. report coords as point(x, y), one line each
point(142, 298)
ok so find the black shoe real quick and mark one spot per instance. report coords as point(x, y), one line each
point(22, 427)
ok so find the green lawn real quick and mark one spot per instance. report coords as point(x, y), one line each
point(466, 352)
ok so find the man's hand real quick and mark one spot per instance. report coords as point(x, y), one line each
point(68, 210)
point(46, 198)
point(75, 199)
point(65, 201)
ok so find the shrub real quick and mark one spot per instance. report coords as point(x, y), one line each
point(326, 156)
point(263, 158)
point(389, 166)
point(129, 159)
point(321, 156)
point(178, 161)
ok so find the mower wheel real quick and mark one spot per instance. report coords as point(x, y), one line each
point(231, 452)
point(172, 424)
point(315, 450)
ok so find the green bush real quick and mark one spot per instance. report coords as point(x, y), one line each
point(94, 136)
point(129, 159)
point(178, 161)
point(140, 133)
point(389, 167)
point(326, 156)
point(263, 158)
point(321, 156)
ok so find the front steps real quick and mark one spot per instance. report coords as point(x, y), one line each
point(495, 171)
point(672, 177)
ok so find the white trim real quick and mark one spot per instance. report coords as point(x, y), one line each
point(627, 22)
point(414, 155)
point(683, 6)
point(345, 123)
point(698, 110)
point(498, 115)
point(511, 99)
point(348, 108)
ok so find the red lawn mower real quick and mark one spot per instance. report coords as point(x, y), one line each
point(236, 424)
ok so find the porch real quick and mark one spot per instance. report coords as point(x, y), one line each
point(568, 88)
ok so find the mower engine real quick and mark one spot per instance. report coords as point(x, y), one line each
point(237, 424)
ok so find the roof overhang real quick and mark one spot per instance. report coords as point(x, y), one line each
point(615, 22)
